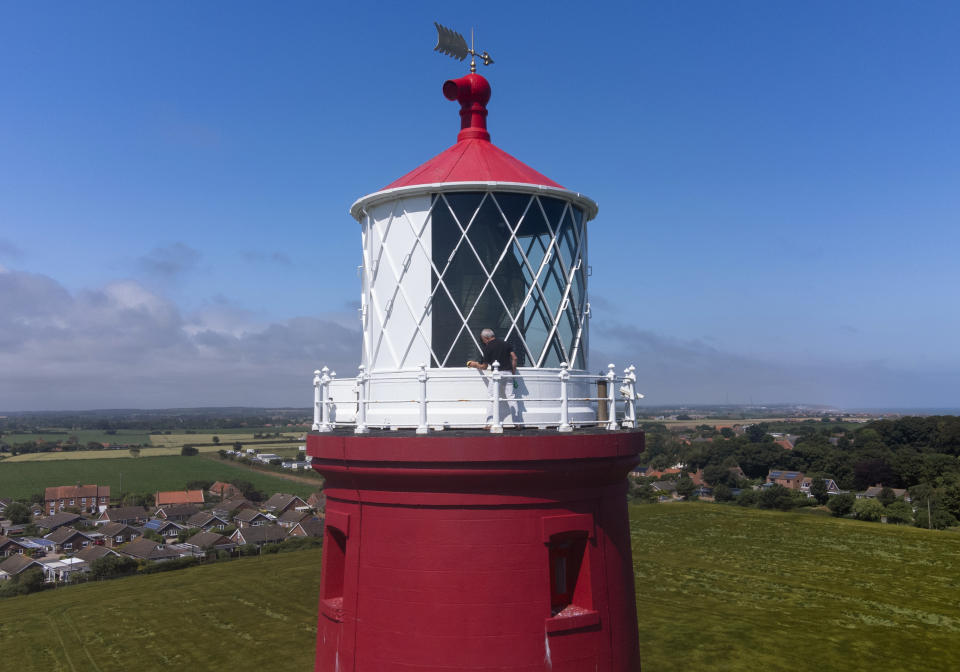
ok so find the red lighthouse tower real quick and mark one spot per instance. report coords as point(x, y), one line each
point(468, 528)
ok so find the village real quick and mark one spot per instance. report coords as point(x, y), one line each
point(76, 529)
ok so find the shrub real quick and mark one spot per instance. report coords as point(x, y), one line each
point(868, 509)
point(188, 450)
point(899, 512)
point(841, 505)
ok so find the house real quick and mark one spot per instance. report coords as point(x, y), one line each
point(666, 490)
point(226, 507)
point(10, 547)
point(51, 523)
point(310, 527)
point(252, 518)
point(296, 465)
point(16, 564)
point(874, 491)
point(788, 479)
point(207, 521)
point(317, 501)
point(87, 498)
point(63, 570)
point(203, 543)
point(116, 534)
point(148, 549)
point(832, 487)
point(91, 553)
point(282, 502)
point(292, 517)
point(131, 515)
point(66, 540)
point(260, 535)
point(165, 528)
point(176, 512)
point(179, 497)
point(266, 458)
point(36, 546)
point(224, 490)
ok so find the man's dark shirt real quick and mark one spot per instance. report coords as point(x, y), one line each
point(498, 351)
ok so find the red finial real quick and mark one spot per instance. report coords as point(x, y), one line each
point(473, 92)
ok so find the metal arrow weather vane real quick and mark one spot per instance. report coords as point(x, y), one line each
point(453, 44)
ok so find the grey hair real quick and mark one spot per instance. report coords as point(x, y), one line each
point(487, 333)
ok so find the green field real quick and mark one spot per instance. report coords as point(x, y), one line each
point(730, 588)
point(719, 588)
point(142, 474)
point(84, 436)
point(248, 614)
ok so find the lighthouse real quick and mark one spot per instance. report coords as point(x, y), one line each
point(476, 516)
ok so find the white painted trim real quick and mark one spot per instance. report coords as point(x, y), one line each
point(589, 206)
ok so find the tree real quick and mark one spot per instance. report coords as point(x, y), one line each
point(134, 452)
point(685, 486)
point(188, 450)
point(18, 513)
point(722, 492)
point(775, 497)
point(110, 566)
point(757, 433)
point(886, 496)
point(868, 509)
point(818, 488)
point(841, 505)
point(727, 432)
point(748, 498)
point(216, 439)
point(899, 512)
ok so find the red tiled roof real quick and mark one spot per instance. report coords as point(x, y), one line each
point(76, 491)
point(179, 497)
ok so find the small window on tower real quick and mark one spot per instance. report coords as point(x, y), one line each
point(569, 574)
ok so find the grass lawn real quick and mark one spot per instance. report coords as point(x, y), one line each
point(719, 588)
point(247, 614)
point(728, 588)
point(142, 474)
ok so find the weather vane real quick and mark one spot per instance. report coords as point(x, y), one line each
point(453, 44)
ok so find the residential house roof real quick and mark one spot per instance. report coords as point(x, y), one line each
point(164, 498)
point(160, 525)
point(226, 490)
point(308, 528)
point(6, 542)
point(233, 504)
point(147, 549)
point(317, 501)
point(262, 534)
point(874, 491)
point(115, 529)
point(91, 553)
point(18, 563)
point(76, 491)
point(250, 515)
point(57, 520)
point(124, 514)
point(173, 511)
point(207, 540)
point(204, 518)
point(780, 474)
point(65, 533)
point(292, 517)
point(282, 501)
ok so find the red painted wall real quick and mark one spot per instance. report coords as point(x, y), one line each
point(446, 552)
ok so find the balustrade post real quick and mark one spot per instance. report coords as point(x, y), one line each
point(629, 395)
point(316, 400)
point(611, 397)
point(564, 404)
point(423, 428)
point(361, 427)
point(496, 427)
point(324, 404)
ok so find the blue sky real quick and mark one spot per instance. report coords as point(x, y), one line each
point(779, 189)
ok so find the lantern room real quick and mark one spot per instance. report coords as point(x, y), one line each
point(472, 239)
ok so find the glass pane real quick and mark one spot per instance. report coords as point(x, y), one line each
point(567, 331)
point(464, 204)
point(464, 350)
point(553, 356)
point(516, 342)
point(513, 206)
point(581, 364)
point(533, 223)
point(552, 283)
point(554, 209)
point(567, 241)
point(535, 325)
point(489, 234)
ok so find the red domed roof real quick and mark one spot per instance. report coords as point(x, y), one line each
point(474, 158)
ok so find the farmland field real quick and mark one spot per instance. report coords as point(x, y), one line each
point(729, 588)
point(142, 474)
point(247, 614)
point(719, 588)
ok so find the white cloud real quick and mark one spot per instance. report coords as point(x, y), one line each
point(125, 346)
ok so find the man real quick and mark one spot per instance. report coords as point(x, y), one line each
point(495, 350)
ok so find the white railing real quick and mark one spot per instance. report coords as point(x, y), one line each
point(616, 397)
